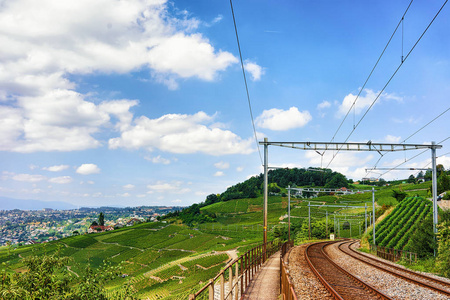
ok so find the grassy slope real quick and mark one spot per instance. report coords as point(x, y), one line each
point(152, 252)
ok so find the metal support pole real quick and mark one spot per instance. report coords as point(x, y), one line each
point(365, 217)
point(309, 221)
point(373, 215)
point(350, 229)
point(266, 194)
point(434, 190)
point(339, 229)
point(326, 222)
point(334, 224)
point(289, 212)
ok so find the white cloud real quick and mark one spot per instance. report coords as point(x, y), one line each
point(222, 165)
point(323, 105)
point(392, 139)
point(219, 174)
point(176, 187)
point(105, 36)
point(178, 133)
point(278, 119)
point(364, 101)
point(61, 179)
point(176, 201)
point(255, 70)
point(57, 168)
point(86, 169)
point(158, 160)
point(125, 195)
point(240, 169)
point(28, 177)
point(129, 186)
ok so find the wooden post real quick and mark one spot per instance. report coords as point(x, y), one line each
point(230, 281)
point(222, 286)
point(211, 289)
point(242, 276)
point(236, 296)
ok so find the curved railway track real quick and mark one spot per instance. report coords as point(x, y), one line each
point(340, 283)
point(411, 276)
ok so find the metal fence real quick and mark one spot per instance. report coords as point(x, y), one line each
point(393, 254)
point(286, 287)
point(232, 281)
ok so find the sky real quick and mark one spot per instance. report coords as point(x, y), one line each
point(143, 102)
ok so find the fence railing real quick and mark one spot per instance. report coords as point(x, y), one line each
point(286, 287)
point(393, 254)
point(232, 281)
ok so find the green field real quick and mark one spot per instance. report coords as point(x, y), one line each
point(170, 260)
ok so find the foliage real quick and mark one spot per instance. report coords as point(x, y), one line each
point(399, 195)
point(318, 231)
point(101, 219)
point(422, 241)
point(443, 259)
point(45, 278)
point(443, 183)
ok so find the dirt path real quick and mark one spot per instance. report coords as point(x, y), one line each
point(70, 270)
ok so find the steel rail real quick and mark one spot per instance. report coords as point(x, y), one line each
point(352, 281)
point(381, 265)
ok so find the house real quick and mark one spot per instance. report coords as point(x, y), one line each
point(133, 222)
point(98, 228)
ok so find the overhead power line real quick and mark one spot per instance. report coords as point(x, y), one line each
point(373, 69)
point(417, 131)
point(426, 125)
point(387, 83)
point(245, 82)
point(391, 169)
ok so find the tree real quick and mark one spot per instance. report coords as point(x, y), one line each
point(399, 195)
point(422, 241)
point(443, 258)
point(211, 199)
point(443, 183)
point(101, 219)
point(411, 179)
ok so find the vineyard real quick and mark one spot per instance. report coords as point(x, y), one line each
point(395, 230)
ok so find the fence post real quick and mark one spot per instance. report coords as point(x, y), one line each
point(222, 286)
point(211, 289)
point(236, 286)
point(230, 281)
point(191, 297)
point(242, 276)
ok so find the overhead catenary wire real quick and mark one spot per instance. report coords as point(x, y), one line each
point(245, 82)
point(411, 158)
point(373, 69)
point(417, 131)
point(388, 82)
point(426, 125)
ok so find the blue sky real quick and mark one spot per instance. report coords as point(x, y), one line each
point(129, 103)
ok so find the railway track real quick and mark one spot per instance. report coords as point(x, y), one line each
point(340, 283)
point(411, 276)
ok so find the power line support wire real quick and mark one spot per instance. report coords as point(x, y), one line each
point(245, 80)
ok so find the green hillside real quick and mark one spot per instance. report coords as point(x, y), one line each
point(169, 259)
point(396, 230)
point(158, 258)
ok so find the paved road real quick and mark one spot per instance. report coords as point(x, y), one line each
point(266, 284)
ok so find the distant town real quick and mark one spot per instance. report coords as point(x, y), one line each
point(24, 227)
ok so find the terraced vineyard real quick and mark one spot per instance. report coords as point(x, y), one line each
point(169, 261)
point(395, 230)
